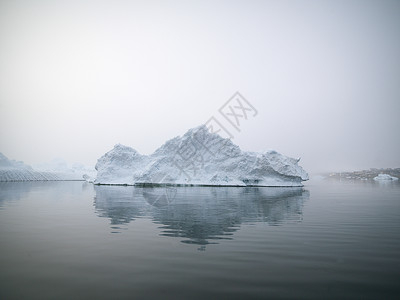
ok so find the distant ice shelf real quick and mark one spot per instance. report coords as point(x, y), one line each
point(199, 157)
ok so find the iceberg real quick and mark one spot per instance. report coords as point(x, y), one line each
point(199, 157)
point(11, 170)
point(6, 163)
point(385, 177)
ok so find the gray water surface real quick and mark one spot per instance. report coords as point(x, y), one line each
point(64, 240)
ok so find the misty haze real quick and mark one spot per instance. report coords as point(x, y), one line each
point(199, 149)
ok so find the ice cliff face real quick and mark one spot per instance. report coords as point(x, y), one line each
point(199, 158)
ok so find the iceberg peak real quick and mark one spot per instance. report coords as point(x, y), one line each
point(199, 157)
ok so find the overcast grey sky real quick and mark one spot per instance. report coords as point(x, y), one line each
point(76, 77)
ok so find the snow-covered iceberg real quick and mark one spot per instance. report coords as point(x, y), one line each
point(11, 170)
point(199, 157)
point(385, 177)
point(6, 163)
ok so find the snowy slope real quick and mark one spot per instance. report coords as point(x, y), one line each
point(120, 165)
point(199, 158)
point(6, 163)
point(11, 170)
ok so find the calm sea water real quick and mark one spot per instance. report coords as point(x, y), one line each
point(73, 240)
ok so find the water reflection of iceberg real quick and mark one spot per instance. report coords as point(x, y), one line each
point(121, 204)
point(12, 191)
point(204, 215)
point(201, 215)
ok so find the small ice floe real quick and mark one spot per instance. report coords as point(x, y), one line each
point(384, 177)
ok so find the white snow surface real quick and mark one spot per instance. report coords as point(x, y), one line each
point(385, 177)
point(6, 163)
point(199, 157)
point(11, 170)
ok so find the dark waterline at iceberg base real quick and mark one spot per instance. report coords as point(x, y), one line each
point(330, 239)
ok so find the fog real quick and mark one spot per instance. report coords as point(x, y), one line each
point(77, 77)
